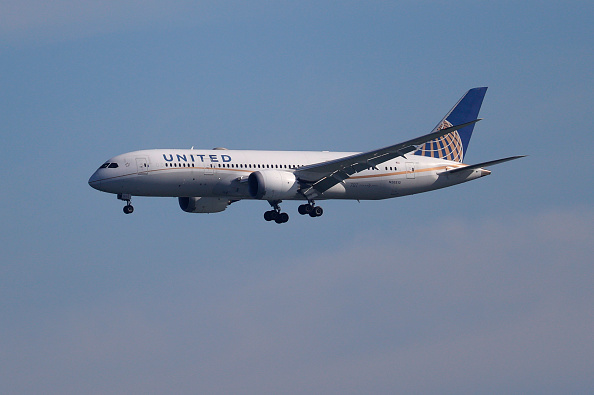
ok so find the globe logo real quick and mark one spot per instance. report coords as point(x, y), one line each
point(447, 147)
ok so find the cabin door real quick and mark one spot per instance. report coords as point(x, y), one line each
point(141, 166)
point(410, 170)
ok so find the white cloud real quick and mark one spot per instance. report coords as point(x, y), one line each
point(453, 306)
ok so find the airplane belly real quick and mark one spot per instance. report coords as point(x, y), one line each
point(338, 191)
point(176, 183)
point(421, 183)
point(359, 190)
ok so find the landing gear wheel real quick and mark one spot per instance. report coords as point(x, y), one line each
point(282, 218)
point(311, 209)
point(270, 215)
point(275, 214)
point(316, 212)
point(126, 197)
point(305, 209)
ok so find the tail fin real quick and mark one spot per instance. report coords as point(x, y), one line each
point(453, 145)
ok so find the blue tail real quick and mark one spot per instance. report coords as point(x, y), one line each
point(453, 145)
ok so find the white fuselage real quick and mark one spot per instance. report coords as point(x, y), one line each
point(223, 173)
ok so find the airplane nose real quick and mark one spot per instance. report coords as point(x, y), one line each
point(95, 181)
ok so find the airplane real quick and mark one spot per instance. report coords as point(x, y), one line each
point(208, 181)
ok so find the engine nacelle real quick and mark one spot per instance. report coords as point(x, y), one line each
point(272, 185)
point(203, 204)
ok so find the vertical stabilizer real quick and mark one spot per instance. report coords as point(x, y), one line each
point(453, 145)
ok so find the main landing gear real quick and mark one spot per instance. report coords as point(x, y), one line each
point(311, 209)
point(128, 208)
point(280, 218)
point(275, 214)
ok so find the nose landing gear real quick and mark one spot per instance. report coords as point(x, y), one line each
point(128, 208)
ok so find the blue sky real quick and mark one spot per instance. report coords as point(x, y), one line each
point(480, 288)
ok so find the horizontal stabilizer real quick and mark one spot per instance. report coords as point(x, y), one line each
point(485, 164)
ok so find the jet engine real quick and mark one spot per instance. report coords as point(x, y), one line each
point(203, 204)
point(272, 185)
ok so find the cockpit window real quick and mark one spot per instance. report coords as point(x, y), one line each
point(103, 166)
point(113, 165)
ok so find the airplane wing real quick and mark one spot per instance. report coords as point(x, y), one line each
point(322, 176)
point(484, 164)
